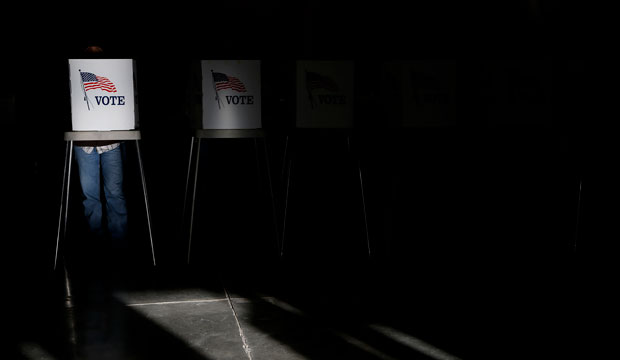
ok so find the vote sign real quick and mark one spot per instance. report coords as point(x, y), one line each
point(420, 93)
point(325, 92)
point(102, 94)
point(231, 94)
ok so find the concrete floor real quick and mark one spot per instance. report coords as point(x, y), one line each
point(455, 274)
point(286, 311)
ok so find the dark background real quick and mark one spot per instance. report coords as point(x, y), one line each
point(487, 205)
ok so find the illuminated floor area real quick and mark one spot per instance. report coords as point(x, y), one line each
point(344, 312)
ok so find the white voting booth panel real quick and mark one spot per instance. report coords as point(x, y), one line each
point(325, 92)
point(102, 94)
point(231, 94)
point(420, 93)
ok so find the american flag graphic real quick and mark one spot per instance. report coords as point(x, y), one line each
point(92, 81)
point(318, 81)
point(223, 81)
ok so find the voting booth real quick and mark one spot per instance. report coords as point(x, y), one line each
point(419, 93)
point(231, 94)
point(102, 94)
point(325, 102)
point(229, 107)
point(325, 94)
point(103, 108)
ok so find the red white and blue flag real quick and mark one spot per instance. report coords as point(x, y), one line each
point(223, 81)
point(318, 81)
point(92, 81)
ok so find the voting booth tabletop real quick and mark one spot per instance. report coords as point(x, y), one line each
point(234, 309)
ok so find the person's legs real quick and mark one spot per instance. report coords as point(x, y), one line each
point(88, 165)
point(112, 168)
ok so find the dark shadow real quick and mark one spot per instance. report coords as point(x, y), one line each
point(98, 326)
point(470, 223)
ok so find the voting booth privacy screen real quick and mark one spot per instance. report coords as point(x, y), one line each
point(231, 94)
point(102, 94)
point(325, 91)
point(420, 93)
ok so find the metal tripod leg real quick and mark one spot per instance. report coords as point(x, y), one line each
point(146, 200)
point(284, 159)
point(286, 169)
point(359, 169)
point(64, 199)
point(189, 171)
point(273, 201)
point(286, 199)
point(191, 218)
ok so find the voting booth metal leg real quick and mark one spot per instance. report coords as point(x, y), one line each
point(359, 170)
point(273, 200)
point(191, 217)
point(146, 200)
point(286, 169)
point(189, 172)
point(364, 208)
point(289, 169)
point(64, 199)
point(260, 187)
point(284, 158)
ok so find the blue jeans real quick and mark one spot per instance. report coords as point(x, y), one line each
point(109, 166)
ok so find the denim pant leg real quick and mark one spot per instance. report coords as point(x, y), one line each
point(112, 168)
point(88, 165)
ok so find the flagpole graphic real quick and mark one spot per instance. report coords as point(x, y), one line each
point(86, 98)
point(217, 96)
